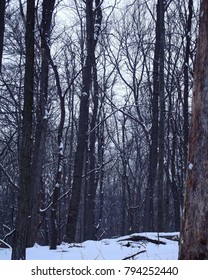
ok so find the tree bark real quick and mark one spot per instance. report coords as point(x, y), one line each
point(194, 230)
point(20, 236)
point(2, 27)
point(59, 173)
point(161, 134)
point(93, 24)
point(41, 125)
point(153, 156)
point(186, 80)
point(58, 180)
point(89, 222)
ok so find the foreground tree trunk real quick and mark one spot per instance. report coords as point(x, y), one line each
point(194, 230)
point(20, 236)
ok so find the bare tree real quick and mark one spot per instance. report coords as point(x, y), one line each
point(91, 187)
point(93, 26)
point(156, 94)
point(41, 124)
point(124, 137)
point(20, 236)
point(186, 78)
point(194, 233)
point(2, 27)
point(59, 172)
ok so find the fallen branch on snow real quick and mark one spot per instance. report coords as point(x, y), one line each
point(136, 238)
point(132, 256)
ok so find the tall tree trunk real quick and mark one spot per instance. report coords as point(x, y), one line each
point(93, 24)
point(20, 236)
point(100, 178)
point(41, 125)
point(2, 27)
point(161, 134)
point(89, 224)
point(194, 230)
point(186, 80)
point(59, 173)
point(153, 156)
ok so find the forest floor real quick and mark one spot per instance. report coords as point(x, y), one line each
point(141, 246)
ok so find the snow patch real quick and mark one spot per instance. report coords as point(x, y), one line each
point(61, 149)
point(190, 166)
point(46, 116)
point(106, 249)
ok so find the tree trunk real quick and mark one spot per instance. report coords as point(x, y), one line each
point(153, 156)
point(194, 230)
point(100, 151)
point(89, 223)
point(41, 126)
point(2, 27)
point(186, 80)
point(20, 236)
point(93, 24)
point(59, 173)
point(161, 134)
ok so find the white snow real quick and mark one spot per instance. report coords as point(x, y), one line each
point(106, 249)
point(61, 149)
point(61, 146)
point(190, 166)
point(84, 94)
point(46, 116)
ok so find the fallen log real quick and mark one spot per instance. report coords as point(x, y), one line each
point(136, 238)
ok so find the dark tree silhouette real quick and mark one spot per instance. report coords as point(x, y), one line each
point(41, 123)
point(20, 235)
point(2, 27)
point(93, 25)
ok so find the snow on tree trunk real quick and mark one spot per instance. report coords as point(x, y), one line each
point(93, 24)
point(194, 230)
point(42, 115)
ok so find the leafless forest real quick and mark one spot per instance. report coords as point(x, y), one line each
point(95, 106)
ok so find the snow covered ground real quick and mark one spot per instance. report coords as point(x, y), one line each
point(141, 246)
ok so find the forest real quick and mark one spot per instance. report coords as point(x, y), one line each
point(95, 110)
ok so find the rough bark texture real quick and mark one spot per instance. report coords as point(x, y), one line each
point(20, 236)
point(194, 230)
